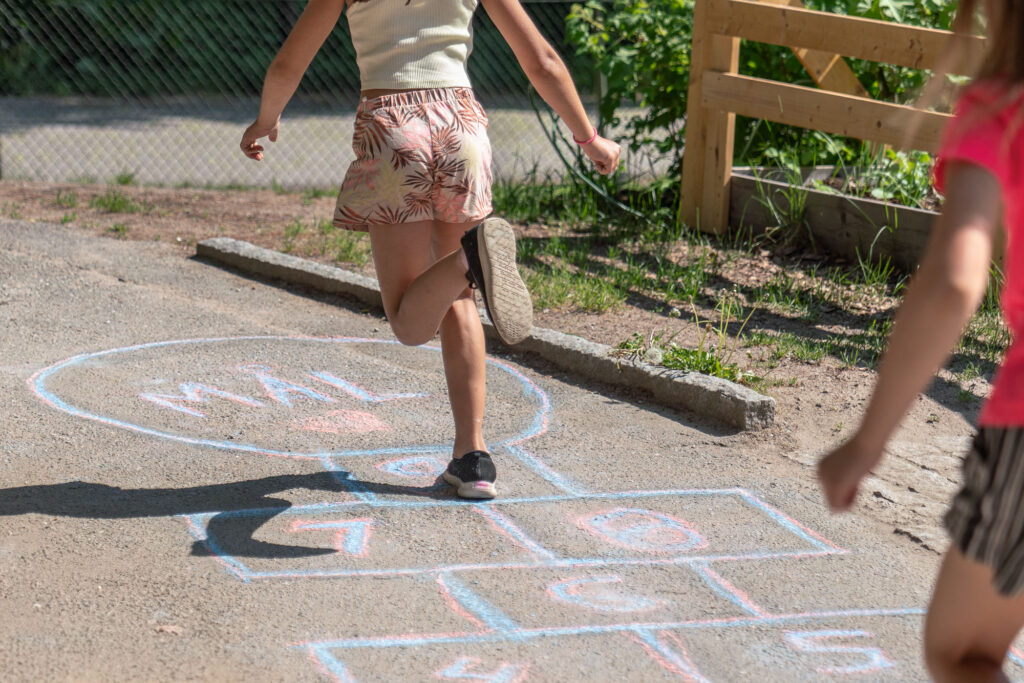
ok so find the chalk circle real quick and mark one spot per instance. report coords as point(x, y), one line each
point(342, 422)
point(296, 397)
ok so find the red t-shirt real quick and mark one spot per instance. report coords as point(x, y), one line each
point(988, 131)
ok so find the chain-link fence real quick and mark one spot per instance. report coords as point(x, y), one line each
point(90, 89)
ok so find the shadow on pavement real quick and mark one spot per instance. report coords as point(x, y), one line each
point(238, 508)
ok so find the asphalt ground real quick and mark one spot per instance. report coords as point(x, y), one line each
point(206, 477)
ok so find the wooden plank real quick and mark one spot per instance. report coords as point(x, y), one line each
point(843, 225)
point(692, 182)
point(829, 70)
point(719, 145)
point(877, 41)
point(834, 113)
point(710, 133)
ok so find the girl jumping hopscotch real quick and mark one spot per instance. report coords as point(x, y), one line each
point(421, 182)
point(977, 607)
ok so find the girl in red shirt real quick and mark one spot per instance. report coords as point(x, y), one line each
point(977, 607)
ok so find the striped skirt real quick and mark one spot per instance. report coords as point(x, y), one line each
point(986, 518)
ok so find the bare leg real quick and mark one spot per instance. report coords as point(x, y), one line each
point(463, 349)
point(417, 289)
point(970, 626)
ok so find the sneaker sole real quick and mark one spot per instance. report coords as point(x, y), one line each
point(509, 303)
point(470, 489)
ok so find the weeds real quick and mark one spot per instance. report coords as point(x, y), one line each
point(291, 233)
point(115, 201)
point(66, 200)
point(784, 292)
point(125, 178)
point(316, 193)
point(785, 208)
point(118, 230)
point(715, 345)
point(543, 200)
point(346, 246)
point(558, 288)
point(786, 346)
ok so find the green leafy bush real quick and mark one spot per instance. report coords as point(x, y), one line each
point(642, 49)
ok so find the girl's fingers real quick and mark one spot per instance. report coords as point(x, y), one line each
point(252, 149)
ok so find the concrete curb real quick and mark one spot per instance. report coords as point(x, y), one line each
point(710, 397)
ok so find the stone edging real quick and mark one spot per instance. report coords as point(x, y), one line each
point(711, 397)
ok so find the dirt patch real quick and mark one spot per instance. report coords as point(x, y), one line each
point(819, 401)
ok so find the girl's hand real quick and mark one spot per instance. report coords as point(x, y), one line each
point(253, 133)
point(604, 153)
point(841, 471)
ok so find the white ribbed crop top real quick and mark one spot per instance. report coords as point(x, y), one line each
point(422, 44)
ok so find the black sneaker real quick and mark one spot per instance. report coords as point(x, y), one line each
point(491, 252)
point(472, 475)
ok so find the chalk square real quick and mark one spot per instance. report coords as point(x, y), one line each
point(357, 540)
point(580, 596)
point(356, 606)
point(795, 584)
point(616, 656)
point(665, 527)
point(808, 647)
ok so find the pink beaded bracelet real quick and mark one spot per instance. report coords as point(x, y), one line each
point(587, 141)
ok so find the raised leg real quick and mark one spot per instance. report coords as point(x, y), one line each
point(417, 289)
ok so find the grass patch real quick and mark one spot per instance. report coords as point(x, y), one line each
point(547, 201)
point(696, 360)
point(784, 293)
point(115, 201)
point(561, 288)
point(125, 178)
point(118, 230)
point(857, 348)
point(226, 187)
point(291, 233)
point(786, 346)
point(348, 246)
point(66, 200)
point(715, 346)
point(308, 196)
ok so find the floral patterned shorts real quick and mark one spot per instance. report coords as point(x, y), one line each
point(420, 155)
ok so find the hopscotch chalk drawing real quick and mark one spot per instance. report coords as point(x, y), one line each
point(637, 585)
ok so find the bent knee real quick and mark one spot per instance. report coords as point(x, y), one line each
point(411, 337)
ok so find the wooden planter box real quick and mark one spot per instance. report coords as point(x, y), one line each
point(840, 224)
